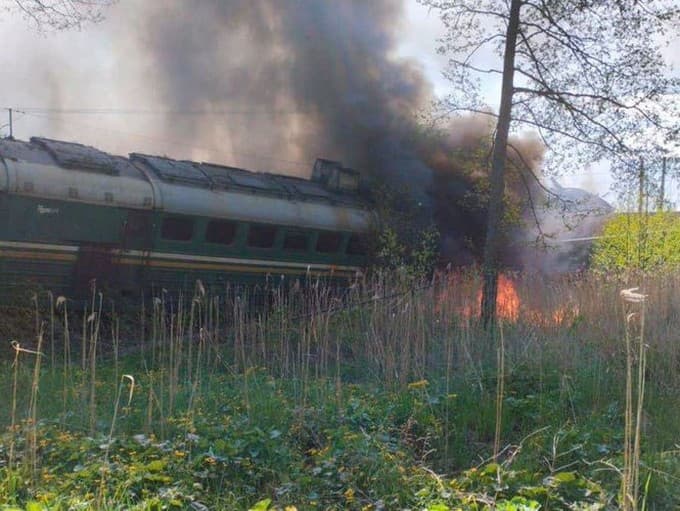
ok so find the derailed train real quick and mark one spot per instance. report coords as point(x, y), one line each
point(70, 213)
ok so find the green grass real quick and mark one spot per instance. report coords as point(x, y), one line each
point(386, 400)
point(367, 447)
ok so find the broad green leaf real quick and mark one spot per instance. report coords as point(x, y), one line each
point(491, 469)
point(156, 465)
point(564, 477)
point(262, 505)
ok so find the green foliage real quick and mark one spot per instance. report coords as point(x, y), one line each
point(406, 239)
point(638, 242)
point(369, 450)
point(417, 260)
point(403, 418)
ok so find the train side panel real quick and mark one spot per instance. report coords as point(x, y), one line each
point(65, 245)
point(71, 215)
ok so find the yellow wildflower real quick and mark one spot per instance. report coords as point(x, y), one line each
point(420, 384)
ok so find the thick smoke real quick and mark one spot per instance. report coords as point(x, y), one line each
point(296, 79)
point(271, 85)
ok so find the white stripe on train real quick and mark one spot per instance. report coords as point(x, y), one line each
point(186, 257)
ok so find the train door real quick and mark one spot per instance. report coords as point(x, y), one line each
point(94, 266)
point(4, 222)
point(136, 246)
point(4, 209)
point(118, 261)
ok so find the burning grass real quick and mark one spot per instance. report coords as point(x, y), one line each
point(320, 400)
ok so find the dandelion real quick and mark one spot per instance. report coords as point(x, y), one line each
point(420, 384)
point(64, 437)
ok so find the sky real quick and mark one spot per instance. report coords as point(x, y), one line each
point(596, 178)
point(91, 69)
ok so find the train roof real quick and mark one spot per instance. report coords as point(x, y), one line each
point(52, 169)
point(331, 183)
point(68, 155)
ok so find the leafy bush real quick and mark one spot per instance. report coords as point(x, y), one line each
point(638, 242)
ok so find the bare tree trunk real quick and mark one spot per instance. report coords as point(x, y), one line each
point(497, 177)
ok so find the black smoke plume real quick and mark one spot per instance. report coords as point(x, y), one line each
point(299, 77)
point(296, 79)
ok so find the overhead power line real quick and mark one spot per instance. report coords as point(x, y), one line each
point(148, 111)
point(176, 142)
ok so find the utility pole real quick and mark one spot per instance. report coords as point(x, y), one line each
point(11, 128)
point(642, 227)
point(662, 189)
point(641, 191)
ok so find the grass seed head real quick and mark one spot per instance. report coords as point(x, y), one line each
point(631, 295)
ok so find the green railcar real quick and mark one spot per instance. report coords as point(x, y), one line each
point(71, 214)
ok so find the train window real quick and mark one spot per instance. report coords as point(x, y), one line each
point(177, 228)
point(295, 241)
point(220, 231)
point(328, 242)
point(261, 236)
point(357, 245)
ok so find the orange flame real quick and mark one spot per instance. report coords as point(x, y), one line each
point(452, 302)
point(507, 300)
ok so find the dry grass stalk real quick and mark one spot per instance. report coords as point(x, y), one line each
point(32, 410)
point(33, 407)
point(500, 389)
point(13, 414)
point(52, 344)
point(126, 378)
point(66, 370)
point(91, 334)
point(635, 390)
point(115, 339)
